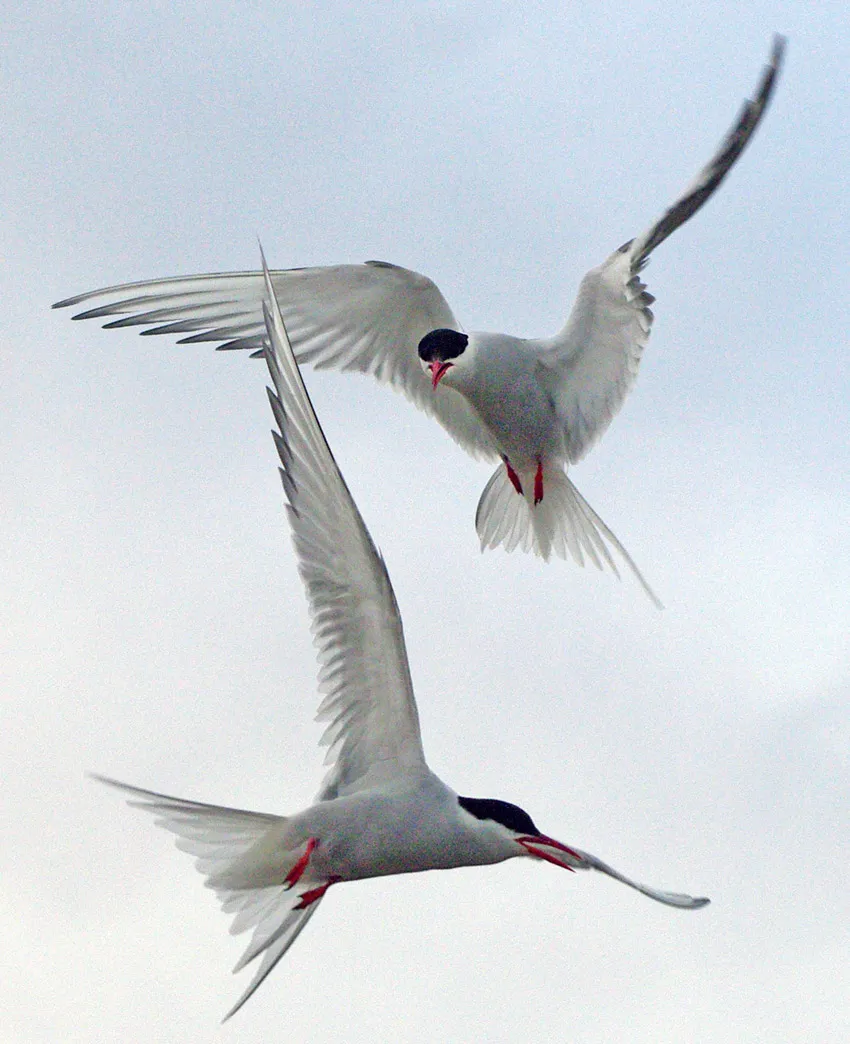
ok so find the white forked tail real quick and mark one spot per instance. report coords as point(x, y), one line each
point(244, 857)
point(562, 522)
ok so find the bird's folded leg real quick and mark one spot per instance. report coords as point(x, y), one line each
point(538, 484)
point(512, 475)
point(295, 874)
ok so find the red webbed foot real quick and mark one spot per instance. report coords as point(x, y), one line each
point(313, 895)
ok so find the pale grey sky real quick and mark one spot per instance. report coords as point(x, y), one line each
point(153, 626)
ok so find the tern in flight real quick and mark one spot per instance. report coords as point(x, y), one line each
point(380, 810)
point(537, 405)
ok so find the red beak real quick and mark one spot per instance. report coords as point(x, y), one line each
point(438, 372)
point(537, 845)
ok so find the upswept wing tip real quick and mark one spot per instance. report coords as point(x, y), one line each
point(600, 348)
point(780, 44)
point(708, 180)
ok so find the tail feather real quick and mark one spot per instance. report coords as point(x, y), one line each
point(272, 945)
point(250, 906)
point(499, 517)
point(562, 522)
point(245, 859)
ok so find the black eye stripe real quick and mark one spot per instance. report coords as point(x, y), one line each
point(510, 816)
point(441, 345)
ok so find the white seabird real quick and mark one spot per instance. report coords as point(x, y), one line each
point(380, 810)
point(538, 405)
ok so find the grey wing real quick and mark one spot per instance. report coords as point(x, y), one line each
point(592, 364)
point(369, 318)
point(373, 725)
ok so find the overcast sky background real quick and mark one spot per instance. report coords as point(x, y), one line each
point(153, 625)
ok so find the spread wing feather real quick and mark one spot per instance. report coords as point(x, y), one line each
point(592, 364)
point(368, 318)
point(373, 725)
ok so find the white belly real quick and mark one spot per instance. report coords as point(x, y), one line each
point(382, 832)
point(509, 398)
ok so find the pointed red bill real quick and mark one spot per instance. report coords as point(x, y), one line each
point(438, 372)
point(533, 846)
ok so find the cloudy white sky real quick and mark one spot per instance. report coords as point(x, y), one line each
point(153, 625)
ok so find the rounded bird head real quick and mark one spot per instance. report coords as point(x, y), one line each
point(519, 827)
point(439, 352)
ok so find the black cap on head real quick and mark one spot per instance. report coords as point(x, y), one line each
point(441, 345)
point(510, 816)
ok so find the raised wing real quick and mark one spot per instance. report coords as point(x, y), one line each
point(373, 725)
point(592, 364)
point(368, 317)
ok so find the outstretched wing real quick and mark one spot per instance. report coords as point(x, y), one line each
point(369, 318)
point(592, 364)
point(373, 724)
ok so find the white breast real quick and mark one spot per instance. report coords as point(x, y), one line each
point(503, 386)
point(414, 827)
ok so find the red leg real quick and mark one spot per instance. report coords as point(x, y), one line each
point(294, 875)
point(538, 484)
point(512, 475)
point(314, 894)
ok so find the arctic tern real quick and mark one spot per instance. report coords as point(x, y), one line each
point(381, 810)
point(537, 405)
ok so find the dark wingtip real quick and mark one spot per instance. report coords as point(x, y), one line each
point(66, 303)
point(774, 65)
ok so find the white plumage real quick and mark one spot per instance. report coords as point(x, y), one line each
point(380, 810)
point(538, 404)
